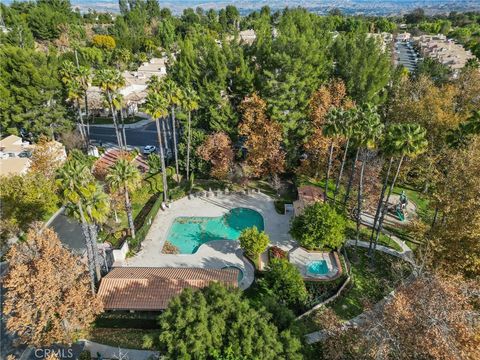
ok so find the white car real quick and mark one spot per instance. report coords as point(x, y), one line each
point(149, 149)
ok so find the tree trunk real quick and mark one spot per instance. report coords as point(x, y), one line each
point(82, 125)
point(123, 130)
point(350, 180)
point(86, 235)
point(86, 108)
point(164, 130)
point(380, 205)
point(385, 208)
point(189, 139)
point(128, 209)
point(174, 134)
point(435, 216)
point(96, 259)
point(114, 118)
point(327, 174)
point(360, 197)
point(162, 161)
point(339, 177)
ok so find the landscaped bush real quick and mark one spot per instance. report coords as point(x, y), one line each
point(254, 242)
point(275, 252)
point(284, 281)
point(169, 248)
point(319, 227)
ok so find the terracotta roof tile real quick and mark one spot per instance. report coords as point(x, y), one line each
point(151, 289)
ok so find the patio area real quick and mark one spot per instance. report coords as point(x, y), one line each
point(213, 254)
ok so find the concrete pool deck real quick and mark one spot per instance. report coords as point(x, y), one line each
point(214, 254)
point(301, 258)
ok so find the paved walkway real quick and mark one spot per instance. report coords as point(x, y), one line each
point(214, 254)
point(110, 352)
point(406, 254)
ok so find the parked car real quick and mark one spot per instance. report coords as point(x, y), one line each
point(149, 149)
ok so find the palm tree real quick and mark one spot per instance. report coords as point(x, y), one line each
point(119, 104)
point(156, 84)
point(369, 129)
point(190, 103)
point(84, 77)
point(174, 96)
point(331, 129)
point(157, 107)
point(126, 176)
point(97, 206)
point(72, 177)
point(110, 81)
point(75, 94)
point(408, 140)
point(67, 71)
point(347, 127)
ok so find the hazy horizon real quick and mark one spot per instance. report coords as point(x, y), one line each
point(384, 7)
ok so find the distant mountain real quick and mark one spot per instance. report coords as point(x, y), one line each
point(370, 7)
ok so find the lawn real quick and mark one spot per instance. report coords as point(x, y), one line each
point(424, 210)
point(150, 185)
point(126, 338)
point(365, 233)
point(370, 284)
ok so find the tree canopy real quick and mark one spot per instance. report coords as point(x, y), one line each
point(224, 326)
point(320, 226)
point(48, 298)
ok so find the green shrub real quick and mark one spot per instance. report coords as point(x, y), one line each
point(254, 242)
point(85, 355)
point(320, 226)
point(284, 281)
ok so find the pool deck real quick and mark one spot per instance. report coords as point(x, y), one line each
point(300, 257)
point(214, 254)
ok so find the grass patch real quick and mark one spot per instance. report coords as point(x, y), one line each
point(365, 233)
point(424, 210)
point(126, 338)
point(369, 284)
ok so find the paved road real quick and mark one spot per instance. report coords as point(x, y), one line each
point(405, 55)
point(145, 135)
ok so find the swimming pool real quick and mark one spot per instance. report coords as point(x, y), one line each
point(188, 233)
point(317, 267)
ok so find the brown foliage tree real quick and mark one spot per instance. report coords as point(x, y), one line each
point(331, 95)
point(316, 148)
point(48, 297)
point(47, 157)
point(217, 149)
point(429, 318)
point(438, 109)
point(455, 236)
point(263, 139)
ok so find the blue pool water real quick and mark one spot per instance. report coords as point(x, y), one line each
point(317, 267)
point(188, 233)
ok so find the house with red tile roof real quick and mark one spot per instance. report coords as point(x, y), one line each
point(151, 289)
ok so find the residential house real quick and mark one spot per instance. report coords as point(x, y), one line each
point(151, 289)
point(135, 90)
point(446, 51)
point(15, 154)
